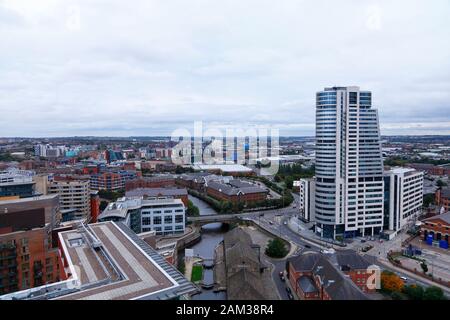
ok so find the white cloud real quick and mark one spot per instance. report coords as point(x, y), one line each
point(107, 67)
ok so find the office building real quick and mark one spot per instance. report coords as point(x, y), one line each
point(162, 215)
point(16, 183)
point(349, 165)
point(306, 203)
point(403, 198)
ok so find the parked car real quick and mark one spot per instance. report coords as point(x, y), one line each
point(290, 296)
point(270, 222)
point(405, 279)
point(282, 278)
point(362, 240)
point(288, 290)
point(307, 246)
point(285, 223)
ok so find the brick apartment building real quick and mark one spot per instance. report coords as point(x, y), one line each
point(236, 191)
point(313, 277)
point(431, 169)
point(442, 198)
point(27, 256)
point(356, 267)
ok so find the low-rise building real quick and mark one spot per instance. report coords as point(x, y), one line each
point(436, 229)
point(162, 215)
point(357, 268)
point(236, 191)
point(442, 198)
point(313, 277)
point(150, 182)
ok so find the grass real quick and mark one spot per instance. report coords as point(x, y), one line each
point(197, 273)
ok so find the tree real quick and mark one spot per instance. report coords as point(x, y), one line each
point(424, 267)
point(391, 282)
point(440, 183)
point(414, 292)
point(103, 205)
point(276, 248)
point(192, 210)
point(433, 293)
point(289, 181)
point(428, 199)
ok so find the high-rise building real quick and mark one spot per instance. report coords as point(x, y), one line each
point(403, 197)
point(349, 165)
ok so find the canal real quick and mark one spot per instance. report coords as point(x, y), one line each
point(212, 235)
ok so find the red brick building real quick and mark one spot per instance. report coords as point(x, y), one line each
point(356, 267)
point(313, 277)
point(151, 182)
point(438, 226)
point(27, 256)
point(442, 198)
point(236, 191)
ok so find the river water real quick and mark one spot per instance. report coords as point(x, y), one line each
point(212, 235)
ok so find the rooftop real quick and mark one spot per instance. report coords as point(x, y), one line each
point(108, 261)
point(222, 167)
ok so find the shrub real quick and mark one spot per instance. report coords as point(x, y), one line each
point(276, 248)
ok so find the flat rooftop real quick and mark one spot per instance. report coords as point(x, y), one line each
point(120, 267)
point(222, 167)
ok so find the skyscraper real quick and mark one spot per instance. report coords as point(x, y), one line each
point(349, 164)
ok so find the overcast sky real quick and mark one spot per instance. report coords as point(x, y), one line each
point(103, 67)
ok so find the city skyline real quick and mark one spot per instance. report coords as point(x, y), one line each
point(91, 69)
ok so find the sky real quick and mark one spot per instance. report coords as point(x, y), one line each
point(147, 67)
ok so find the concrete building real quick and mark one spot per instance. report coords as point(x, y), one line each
point(163, 215)
point(73, 195)
point(403, 196)
point(349, 165)
point(155, 193)
point(16, 183)
point(307, 194)
point(108, 261)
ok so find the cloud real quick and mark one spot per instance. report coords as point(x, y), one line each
point(107, 68)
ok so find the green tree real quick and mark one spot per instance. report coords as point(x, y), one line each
point(433, 293)
point(441, 183)
point(414, 292)
point(276, 248)
point(289, 181)
point(428, 199)
point(192, 210)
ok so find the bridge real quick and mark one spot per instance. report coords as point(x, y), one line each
point(223, 218)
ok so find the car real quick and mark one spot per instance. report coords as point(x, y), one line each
point(261, 215)
point(288, 290)
point(285, 223)
point(271, 222)
point(290, 296)
point(404, 278)
point(307, 246)
point(363, 241)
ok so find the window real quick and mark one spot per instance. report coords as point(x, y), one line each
point(157, 220)
point(168, 219)
point(179, 218)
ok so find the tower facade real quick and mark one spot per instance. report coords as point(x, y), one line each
point(349, 164)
